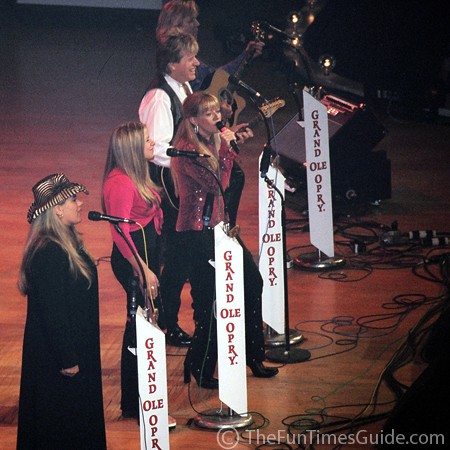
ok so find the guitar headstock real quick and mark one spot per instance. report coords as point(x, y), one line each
point(264, 31)
point(258, 31)
point(271, 106)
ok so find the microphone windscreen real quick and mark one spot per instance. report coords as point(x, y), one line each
point(220, 125)
point(94, 215)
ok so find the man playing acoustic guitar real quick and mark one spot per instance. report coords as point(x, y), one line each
point(182, 15)
point(160, 109)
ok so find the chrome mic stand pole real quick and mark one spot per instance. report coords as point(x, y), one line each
point(218, 419)
point(154, 311)
point(271, 337)
point(287, 354)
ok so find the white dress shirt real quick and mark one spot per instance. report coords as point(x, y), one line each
point(154, 111)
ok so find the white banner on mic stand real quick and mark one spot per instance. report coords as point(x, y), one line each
point(317, 146)
point(271, 257)
point(152, 375)
point(230, 321)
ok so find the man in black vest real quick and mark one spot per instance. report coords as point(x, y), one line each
point(161, 111)
point(182, 16)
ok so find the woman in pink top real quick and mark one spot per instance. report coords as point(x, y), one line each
point(129, 192)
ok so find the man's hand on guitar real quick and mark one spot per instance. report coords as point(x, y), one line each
point(242, 132)
point(255, 48)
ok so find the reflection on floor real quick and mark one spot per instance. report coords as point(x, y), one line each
point(68, 79)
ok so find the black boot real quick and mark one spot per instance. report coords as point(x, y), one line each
point(178, 337)
point(261, 371)
point(204, 383)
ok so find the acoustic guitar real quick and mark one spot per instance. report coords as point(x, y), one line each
point(226, 91)
point(267, 109)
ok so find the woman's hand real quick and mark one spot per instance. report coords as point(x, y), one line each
point(152, 282)
point(227, 136)
point(150, 278)
point(70, 372)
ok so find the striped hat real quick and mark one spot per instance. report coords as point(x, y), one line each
point(50, 191)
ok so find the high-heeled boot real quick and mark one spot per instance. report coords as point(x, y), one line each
point(203, 382)
point(261, 371)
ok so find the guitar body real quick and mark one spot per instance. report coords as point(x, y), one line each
point(223, 91)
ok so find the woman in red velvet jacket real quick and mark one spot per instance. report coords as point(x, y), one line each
point(198, 132)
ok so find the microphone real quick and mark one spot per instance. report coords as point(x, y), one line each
point(265, 161)
point(207, 209)
point(233, 80)
point(187, 153)
point(221, 127)
point(275, 29)
point(96, 216)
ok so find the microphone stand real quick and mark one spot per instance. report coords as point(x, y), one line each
point(271, 337)
point(286, 355)
point(264, 118)
point(154, 311)
point(293, 87)
point(216, 419)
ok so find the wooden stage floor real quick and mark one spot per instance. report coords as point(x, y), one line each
point(64, 87)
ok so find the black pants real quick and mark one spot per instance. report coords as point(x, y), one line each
point(176, 254)
point(175, 270)
point(123, 272)
point(201, 357)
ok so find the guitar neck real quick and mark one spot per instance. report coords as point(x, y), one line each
point(252, 124)
point(255, 121)
point(240, 69)
point(242, 65)
point(266, 111)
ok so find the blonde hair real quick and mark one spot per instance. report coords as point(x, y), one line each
point(172, 16)
point(47, 227)
point(195, 105)
point(126, 152)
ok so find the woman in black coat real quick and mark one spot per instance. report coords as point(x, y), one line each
point(61, 402)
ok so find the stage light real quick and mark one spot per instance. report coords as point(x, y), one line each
point(327, 64)
point(294, 17)
point(295, 42)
